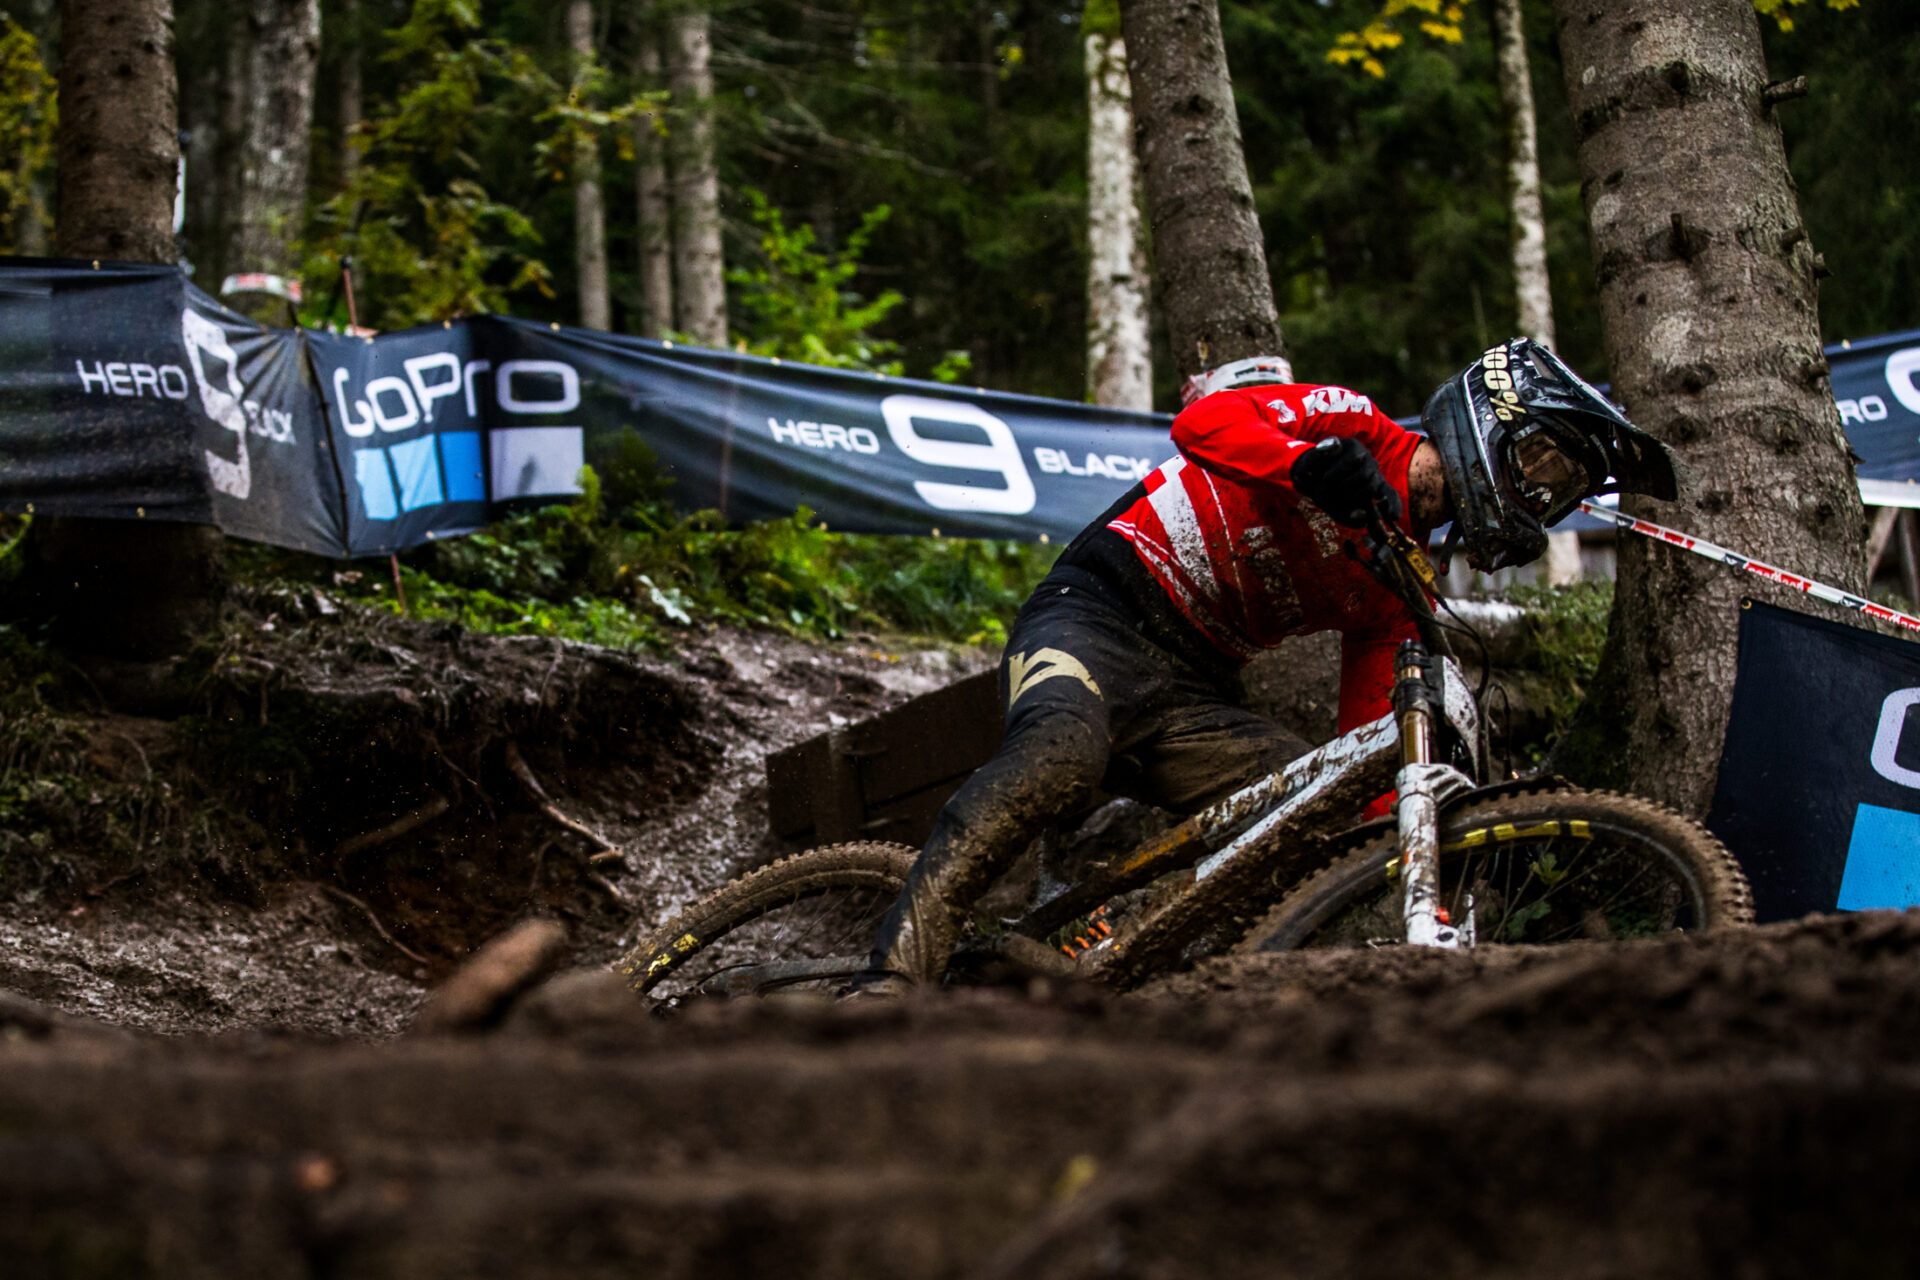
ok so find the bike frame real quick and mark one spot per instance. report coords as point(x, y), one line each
point(1433, 709)
point(1321, 788)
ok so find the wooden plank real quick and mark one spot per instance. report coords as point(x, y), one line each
point(885, 778)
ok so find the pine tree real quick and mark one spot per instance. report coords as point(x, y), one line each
point(1708, 298)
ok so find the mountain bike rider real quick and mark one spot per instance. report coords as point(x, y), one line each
point(1119, 672)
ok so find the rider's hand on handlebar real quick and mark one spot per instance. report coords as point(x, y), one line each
point(1340, 477)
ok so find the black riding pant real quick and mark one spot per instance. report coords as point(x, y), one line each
point(1091, 702)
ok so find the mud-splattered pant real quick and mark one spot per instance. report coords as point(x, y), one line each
point(1091, 703)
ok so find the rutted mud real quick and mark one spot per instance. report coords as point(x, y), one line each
point(342, 821)
point(1739, 1105)
point(337, 823)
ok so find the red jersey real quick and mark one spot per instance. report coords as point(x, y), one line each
point(1250, 562)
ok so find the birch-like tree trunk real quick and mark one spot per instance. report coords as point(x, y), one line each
point(1119, 366)
point(653, 233)
point(128, 588)
point(1709, 312)
point(217, 175)
point(350, 110)
point(283, 56)
point(1208, 254)
point(589, 214)
point(1526, 224)
point(699, 269)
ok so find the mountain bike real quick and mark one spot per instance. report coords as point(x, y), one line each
point(1282, 864)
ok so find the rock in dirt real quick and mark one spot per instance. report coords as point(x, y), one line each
point(573, 1001)
point(482, 988)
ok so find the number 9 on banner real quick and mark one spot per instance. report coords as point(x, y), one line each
point(1000, 455)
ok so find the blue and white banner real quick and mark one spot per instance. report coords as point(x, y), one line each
point(1819, 786)
point(438, 429)
point(124, 391)
point(1876, 383)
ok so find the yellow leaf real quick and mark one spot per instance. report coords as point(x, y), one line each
point(1373, 68)
point(1454, 13)
point(1442, 31)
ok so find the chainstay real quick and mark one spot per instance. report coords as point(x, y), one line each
point(1234, 894)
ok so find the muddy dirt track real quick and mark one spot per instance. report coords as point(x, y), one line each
point(1745, 1105)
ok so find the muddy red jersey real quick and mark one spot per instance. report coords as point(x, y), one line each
point(1250, 562)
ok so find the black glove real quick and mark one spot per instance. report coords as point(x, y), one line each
point(1340, 477)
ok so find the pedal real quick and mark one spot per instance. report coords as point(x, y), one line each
point(1097, 932)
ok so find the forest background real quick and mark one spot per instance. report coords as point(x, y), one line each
point(931, 159)
point(899, 185)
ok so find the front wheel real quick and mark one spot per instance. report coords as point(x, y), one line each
point(805, 921)
point(1541, 868)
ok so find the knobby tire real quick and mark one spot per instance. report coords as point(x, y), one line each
point(871, 871)
point(1335, 906)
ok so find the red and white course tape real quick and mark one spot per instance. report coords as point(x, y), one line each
point(1713, 551)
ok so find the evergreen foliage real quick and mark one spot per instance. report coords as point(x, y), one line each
point(1850, 144)
point(627, 570)
point(28, 119)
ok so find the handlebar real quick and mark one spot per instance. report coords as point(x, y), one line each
point(1399, 564)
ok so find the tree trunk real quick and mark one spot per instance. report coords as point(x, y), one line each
point(1119, 368)
point(1207, 249)
point(123, 587)
point(589, 218)
point(654, 234)
point(1526, 224)
point(350, 110)
point(699, 281)
point(119, 149)
point(1707, 301)
point(222, 177)
point(284, 51)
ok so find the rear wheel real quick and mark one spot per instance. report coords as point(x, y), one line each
point(1542, 868)
point(803, 922)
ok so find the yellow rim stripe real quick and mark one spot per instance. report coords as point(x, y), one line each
point(669, 957)
point(1504, 832)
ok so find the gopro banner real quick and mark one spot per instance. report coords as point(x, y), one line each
point(1877, 386)
point(1819, 787)
point(126, 392)
point(440, 429)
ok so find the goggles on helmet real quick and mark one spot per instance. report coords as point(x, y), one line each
point(1545, 478)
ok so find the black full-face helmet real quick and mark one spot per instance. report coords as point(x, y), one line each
point(1523, 439)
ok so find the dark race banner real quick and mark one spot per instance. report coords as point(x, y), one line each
point(440, 429)
point(126, 392)
point(1819, 786)
point(1876, 383)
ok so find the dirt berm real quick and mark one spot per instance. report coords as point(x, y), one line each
point(1745, 1105)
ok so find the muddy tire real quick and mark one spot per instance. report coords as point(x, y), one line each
point(815, 905)
point(1541, 868)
